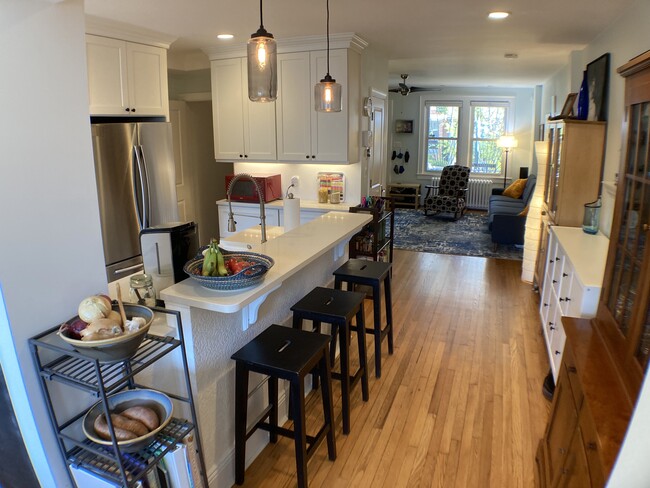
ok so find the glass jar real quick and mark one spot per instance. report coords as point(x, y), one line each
point(322, 195)
point(591, 219)
point(141, 290)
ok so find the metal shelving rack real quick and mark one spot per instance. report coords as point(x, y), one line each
point(376, 238)
point(67, 366)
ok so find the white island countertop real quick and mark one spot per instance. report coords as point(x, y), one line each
point(291, 252)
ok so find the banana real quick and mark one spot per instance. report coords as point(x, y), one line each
point(221, 264)
point(209, 262)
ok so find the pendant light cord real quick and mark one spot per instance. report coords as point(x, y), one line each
point(328, 36)
point(261, 16)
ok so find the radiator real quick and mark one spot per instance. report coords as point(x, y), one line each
point(478, 194)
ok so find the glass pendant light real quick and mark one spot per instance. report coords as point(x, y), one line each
point(262, 65)
point(327, 93)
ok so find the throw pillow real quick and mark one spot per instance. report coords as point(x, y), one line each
point(516, 189)
point(523, 213)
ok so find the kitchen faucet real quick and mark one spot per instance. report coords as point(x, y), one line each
point(231, 217)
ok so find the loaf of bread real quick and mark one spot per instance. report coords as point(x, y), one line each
point(143, 414)
point(138, 428)
point(102, 430)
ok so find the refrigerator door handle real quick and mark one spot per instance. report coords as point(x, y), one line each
point(141, 209)
point(146, 195)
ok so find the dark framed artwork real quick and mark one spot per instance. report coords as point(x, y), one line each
point(598, 83)
point(404, 126)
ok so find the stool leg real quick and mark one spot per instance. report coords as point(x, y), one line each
point(298, 396)
point(297, 321)
point(328, 406)
point(376, 302)
point(273, 414)
point(389, 312)
point(337, 283)
point(345, 376)
point(314, 375)
point(241, 407)
point(363, 359)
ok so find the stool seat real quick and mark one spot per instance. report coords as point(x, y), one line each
point(289, 354)
point(371, 273)
point(338, 308)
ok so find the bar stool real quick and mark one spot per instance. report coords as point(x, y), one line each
point(338, 307)
point(288, 354)
point(371, 273)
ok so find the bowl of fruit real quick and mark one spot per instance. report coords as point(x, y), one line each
point(218, 269)
point(99, 332)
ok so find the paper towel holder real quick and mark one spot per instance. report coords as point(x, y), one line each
point(287, 194)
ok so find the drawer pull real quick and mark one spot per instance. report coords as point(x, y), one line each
point(557, 353)
point(592, 446)
point(557, 259)
point(564, 275)
point(561, 299)
point(552, 328)
point(572, 369)
point(567, 299)
point(554, 281)
point(546, 304)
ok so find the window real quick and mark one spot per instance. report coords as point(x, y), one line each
point(488, 124)
point(464, 131)
point(442, 136)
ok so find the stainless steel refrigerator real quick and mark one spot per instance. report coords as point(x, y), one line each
point(136, 188)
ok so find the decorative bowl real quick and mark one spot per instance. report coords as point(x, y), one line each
point(248, 276)
point(157, 401)
point(117, 348)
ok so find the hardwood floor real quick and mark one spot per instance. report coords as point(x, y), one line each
point(459, 403)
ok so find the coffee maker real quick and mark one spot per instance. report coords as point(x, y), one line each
point(165, 250)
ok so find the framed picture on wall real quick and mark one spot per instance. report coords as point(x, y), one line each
point(404, 126)
point(598, 84)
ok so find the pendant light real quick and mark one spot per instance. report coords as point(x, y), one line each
point(262, 65)
point(327, 93)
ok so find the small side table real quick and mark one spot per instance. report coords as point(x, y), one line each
point(405, 194)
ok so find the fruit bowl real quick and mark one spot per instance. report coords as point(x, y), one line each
point(117, 348)
point(248, 276)
point(157, 401)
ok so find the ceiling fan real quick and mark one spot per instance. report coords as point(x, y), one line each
point(403, 89)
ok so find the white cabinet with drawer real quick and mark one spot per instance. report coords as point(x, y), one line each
point(575, 265)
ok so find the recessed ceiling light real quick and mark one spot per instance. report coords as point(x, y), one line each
point(498, 15)
point(225, 36)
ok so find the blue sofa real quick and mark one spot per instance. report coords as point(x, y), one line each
point(504, 221)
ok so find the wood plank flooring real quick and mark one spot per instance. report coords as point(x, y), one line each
point(459, 403)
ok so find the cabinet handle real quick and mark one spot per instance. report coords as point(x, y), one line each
point(543, 212)
point(564, 275)
point(127, 109)
point(132, 110)
point(557, 259)
point(572, 369)
point(241, 155)
point(554, 281)
point(313, 156)
point(567, 299)
point(307, 156)
point(246, 155)
point(561, 299)
point(557, 353)
point(550, 261)
point(546, 304)
point(552, 328)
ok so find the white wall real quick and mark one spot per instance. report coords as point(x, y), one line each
point(51, 251)
point(408, 107)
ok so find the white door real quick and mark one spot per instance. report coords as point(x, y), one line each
point(182, 162)
point(377, 159)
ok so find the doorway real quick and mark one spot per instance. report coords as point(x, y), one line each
point(376, 152)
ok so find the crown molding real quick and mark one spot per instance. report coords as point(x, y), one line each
point(347, 40)
point(117, 30)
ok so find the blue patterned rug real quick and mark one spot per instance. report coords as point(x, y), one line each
point(468, 236)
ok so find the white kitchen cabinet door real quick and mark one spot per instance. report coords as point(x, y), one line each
point(107, 80)
point(243, 130)
point(329, 131)
point(147, 79)
point(126, 78)
point(293, 107)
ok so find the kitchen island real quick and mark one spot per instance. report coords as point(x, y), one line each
point(216, 324)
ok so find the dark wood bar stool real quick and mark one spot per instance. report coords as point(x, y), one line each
point(371, 273)
point(338, 308)
point(288, 354)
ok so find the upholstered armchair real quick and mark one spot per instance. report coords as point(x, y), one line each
point(450, 196)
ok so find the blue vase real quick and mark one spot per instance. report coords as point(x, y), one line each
point(583, 98)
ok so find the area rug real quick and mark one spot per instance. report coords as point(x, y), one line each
point(468, 236)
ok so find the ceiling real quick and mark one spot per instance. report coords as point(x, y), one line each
point(437, 43)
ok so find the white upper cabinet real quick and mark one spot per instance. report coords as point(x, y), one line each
point(126, 78)
point(305, 135)
point(243, 130)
